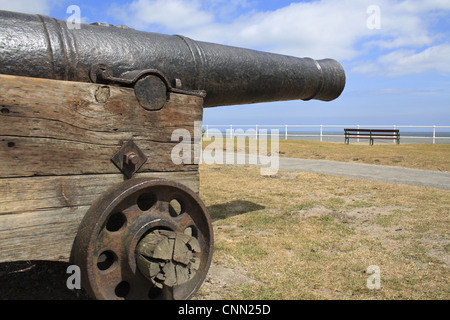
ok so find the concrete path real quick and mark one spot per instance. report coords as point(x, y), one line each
point(415, 177)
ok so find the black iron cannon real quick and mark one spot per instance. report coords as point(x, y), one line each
point(84, 109)
point(43, 47)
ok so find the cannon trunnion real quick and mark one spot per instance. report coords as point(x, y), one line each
point(86, 147)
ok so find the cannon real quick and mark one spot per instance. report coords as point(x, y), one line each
point(86, 123)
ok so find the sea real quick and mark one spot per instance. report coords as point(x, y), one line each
point(406, 136)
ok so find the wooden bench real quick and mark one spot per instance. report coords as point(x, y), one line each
point(371, 134)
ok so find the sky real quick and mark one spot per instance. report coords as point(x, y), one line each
point(396, 53)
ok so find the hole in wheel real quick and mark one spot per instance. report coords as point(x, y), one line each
point(105, 260)
point(122, 289)
point(115, 222)
point(175, 208)
point(191, 231)
point(146, 201)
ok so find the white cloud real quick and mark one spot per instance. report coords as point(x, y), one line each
point(320, 28)
point(170, 14)
point(418, 6)
point(26, 6)
point(402, 62)
point(324, 28)
point(317, 29)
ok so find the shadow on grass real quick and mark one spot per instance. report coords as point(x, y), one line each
point(232, 208)
point(47, 280)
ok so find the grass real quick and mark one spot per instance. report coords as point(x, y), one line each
point(417, 156)
point(309, 236)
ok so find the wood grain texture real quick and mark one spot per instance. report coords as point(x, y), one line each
point(56, 142)
point(39, 216)
point(168, 258)
point(50, 127)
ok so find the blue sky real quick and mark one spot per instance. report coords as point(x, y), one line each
point(396, 54)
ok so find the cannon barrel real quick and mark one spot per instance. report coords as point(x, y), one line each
point(44, 47)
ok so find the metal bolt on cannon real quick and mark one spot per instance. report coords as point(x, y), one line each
point(105, 101)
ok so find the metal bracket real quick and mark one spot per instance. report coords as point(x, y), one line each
point(151, 87)
point(129, 159)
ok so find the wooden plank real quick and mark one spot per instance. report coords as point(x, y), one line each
point(50, 127)
point(41, 193)
point(56, 142)
point(39, 216)
point(39, 235)
point(372, 130)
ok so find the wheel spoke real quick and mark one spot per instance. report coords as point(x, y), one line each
point(184, 221)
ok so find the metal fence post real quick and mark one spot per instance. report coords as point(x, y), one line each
point(394, 129)
point(434, 134)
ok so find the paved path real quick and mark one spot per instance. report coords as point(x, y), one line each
point(415, 177)
point(427, 178)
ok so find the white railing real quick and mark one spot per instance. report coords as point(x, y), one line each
point(253, 131)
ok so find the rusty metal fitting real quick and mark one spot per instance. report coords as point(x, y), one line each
point(131, 159)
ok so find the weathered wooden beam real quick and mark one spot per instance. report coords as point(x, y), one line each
point(56, 143)
point(50, 127)
point(39, 216)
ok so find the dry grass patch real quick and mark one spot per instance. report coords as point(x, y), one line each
point(310, 236)
point(417, 156)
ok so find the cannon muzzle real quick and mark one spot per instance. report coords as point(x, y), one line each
point(43, 47)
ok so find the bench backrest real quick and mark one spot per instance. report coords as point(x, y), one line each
point(373, 130)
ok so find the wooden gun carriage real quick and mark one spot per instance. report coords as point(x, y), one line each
point(87, 173)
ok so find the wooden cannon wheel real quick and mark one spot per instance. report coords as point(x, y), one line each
point(144, 239)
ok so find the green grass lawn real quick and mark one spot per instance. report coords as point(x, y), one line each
point(300, 235)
